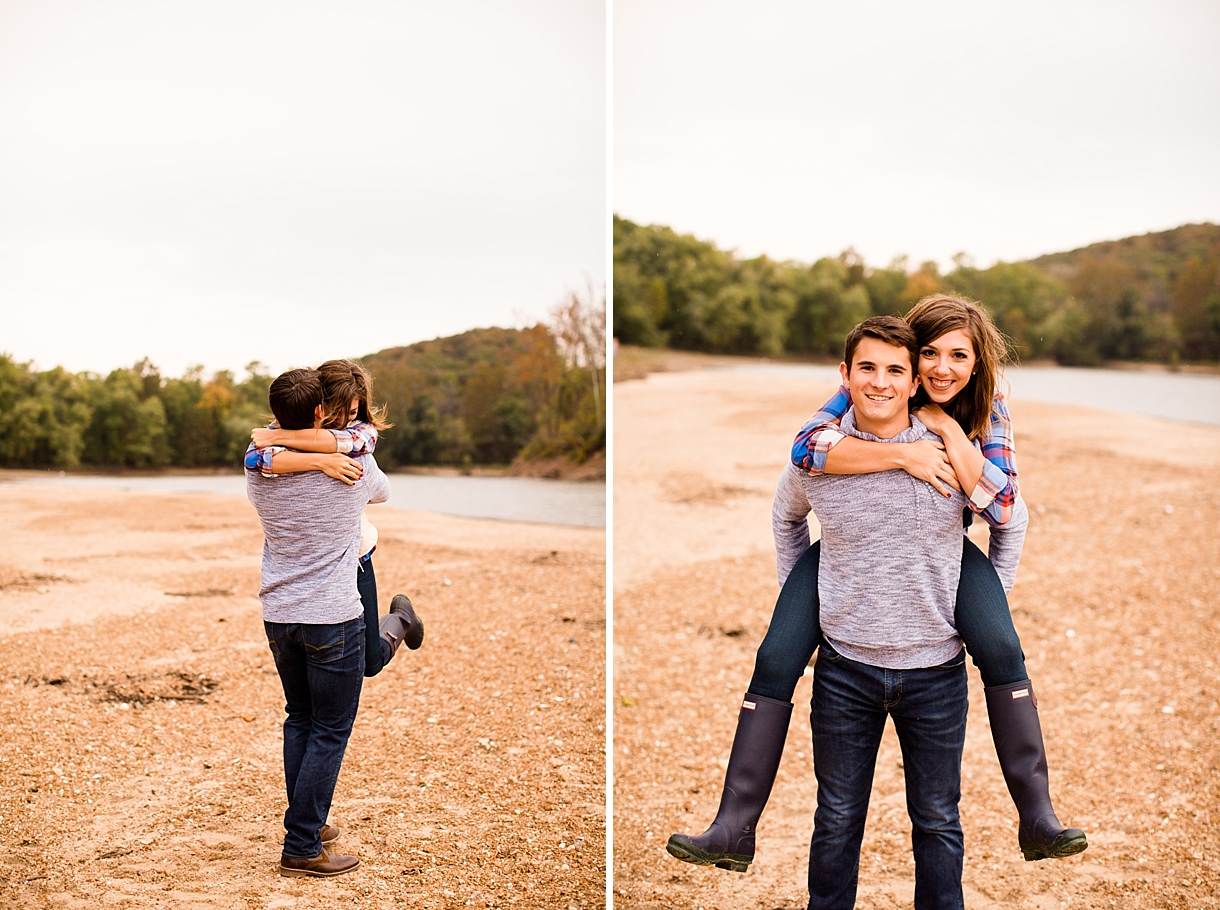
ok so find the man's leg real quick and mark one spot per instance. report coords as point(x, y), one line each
point(290, 662)
point(334, 659)
point(848, 717)
point(930, 718)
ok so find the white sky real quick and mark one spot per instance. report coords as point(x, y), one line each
point(1003, 130)
point(292, 180)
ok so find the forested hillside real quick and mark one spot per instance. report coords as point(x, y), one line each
point(486, 395)
point(482, 397)
point(1152, 298)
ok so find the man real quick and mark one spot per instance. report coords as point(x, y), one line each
point(314, 622)
point(890, 557)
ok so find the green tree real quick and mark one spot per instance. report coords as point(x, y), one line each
point(127, 425)
point(42, 416)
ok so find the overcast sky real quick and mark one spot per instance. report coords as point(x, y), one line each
point(292, 180)
point(1000, 130)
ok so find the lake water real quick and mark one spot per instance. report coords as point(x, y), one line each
point(527, 499)
point(1185, 397)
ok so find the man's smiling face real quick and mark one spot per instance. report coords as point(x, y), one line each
point(881, 383)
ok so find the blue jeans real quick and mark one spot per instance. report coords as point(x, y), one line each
point(851, 701)
point(321, 667)
point(981, 616)
point(377, 651)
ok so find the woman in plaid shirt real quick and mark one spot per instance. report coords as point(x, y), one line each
point(352, 423)
point(961, 352)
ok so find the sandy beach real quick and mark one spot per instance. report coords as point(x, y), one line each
point(1116, 603)
point(140, 764)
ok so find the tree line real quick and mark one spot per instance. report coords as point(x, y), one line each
point(486, 396)
point(1149, 298)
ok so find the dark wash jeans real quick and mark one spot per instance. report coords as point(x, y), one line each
point(321, 667)
point(850, 703)
point(377, 651)
point(981, 616)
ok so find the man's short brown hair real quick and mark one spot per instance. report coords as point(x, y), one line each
point(294, 397)
point(891, 330)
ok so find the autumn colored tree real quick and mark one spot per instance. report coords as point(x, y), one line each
point(1196, 308)
point(578, 325)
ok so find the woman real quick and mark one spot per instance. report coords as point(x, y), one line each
point(960, 355)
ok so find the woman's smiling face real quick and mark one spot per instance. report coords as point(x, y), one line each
point(946, 365)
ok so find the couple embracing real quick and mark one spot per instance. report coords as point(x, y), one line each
point(889, 595)
point(310, 475)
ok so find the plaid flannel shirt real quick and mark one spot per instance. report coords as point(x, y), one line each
point(992, 498)
point(355, 439)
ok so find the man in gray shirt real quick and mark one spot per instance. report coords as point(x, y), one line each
point(314, 621)
point(890, 557)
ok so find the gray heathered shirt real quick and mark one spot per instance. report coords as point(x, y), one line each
point(890, 560)
point(311, 525)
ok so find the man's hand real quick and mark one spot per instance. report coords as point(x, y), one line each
point(340, 467)
point(926, 460)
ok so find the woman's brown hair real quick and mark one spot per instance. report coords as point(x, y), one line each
point(343, 380)
point(937, 314)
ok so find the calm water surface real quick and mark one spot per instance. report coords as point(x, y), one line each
point(1184, 397)
point(556, 502)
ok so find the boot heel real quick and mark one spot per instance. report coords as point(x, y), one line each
point(733, 865)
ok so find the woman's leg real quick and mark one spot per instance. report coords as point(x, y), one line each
point(375, 657)
point(793, 634)
point(984, 621)
point(985, 625)
point(762, 726)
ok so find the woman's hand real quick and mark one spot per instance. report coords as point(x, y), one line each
point(263, 437)
point(926, 460)
point(340, 467)
point(933, 417)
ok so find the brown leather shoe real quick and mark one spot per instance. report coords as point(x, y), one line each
point(330, 834)
point(322, 866)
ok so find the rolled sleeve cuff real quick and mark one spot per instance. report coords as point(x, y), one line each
point(825, 440)
point(264, 460)
point(344, 442)
point(989, 486)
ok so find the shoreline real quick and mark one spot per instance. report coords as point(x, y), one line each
point(548, 469)
point(633, 363)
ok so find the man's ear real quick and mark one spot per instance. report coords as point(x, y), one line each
point(318, 413)
point(843, 371)
point(915, 386)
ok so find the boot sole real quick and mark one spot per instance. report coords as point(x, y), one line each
point(1064, 845)
point(305, 873)
point(689, 853)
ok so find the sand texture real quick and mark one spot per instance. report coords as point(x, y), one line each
point(140, 763)
point(1116, 603)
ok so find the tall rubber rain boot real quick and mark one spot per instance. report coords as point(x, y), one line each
point(762, 727)
point(1017, 733)
point(401, 625)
